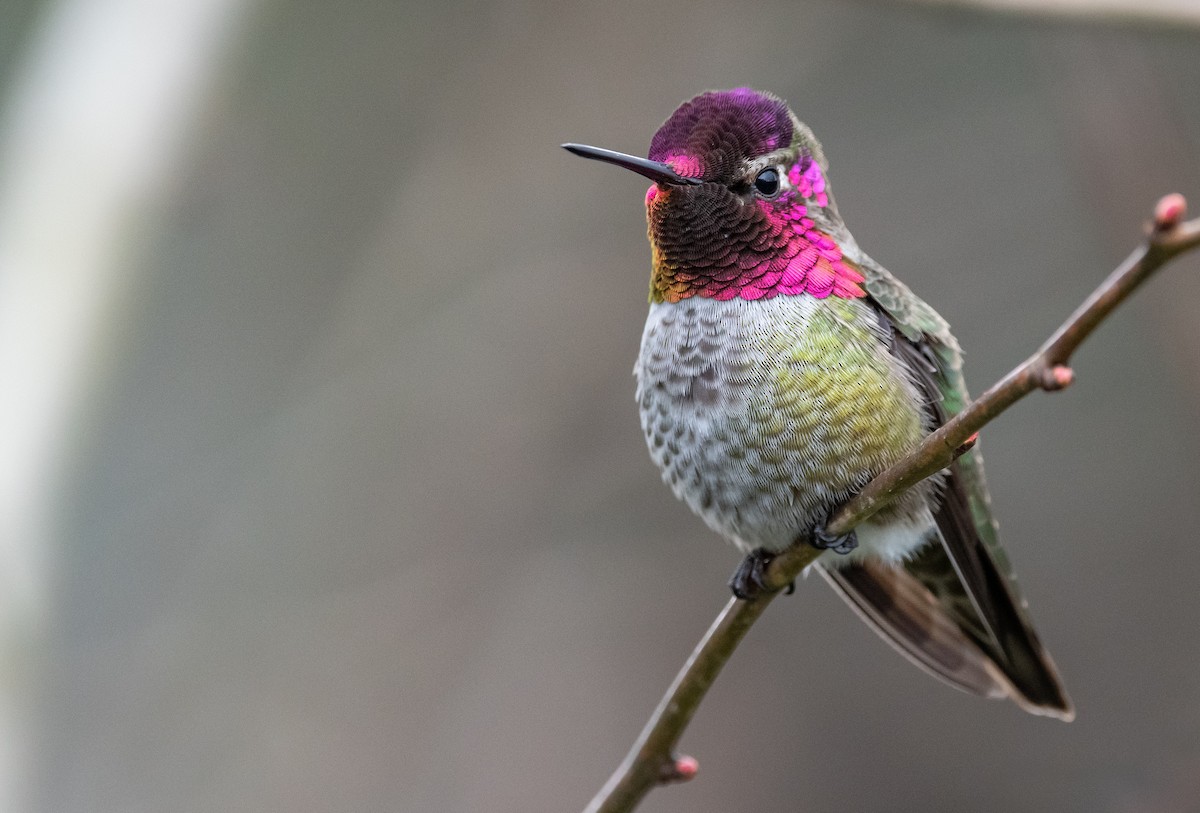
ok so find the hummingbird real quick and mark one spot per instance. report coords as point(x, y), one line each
point(781, 369)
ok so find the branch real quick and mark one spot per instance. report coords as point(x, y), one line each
point(651, 761)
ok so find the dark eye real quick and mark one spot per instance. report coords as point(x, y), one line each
point(767, 183)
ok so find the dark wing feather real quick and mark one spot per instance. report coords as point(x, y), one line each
point(953, 609)
point(967, 558)
point(967, 582)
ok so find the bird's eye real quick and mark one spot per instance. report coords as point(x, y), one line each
point(767, 183)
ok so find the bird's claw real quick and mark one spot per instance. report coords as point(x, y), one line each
point(749, 580)
point(838, 544)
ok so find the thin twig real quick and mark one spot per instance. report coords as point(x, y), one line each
point(651, 761)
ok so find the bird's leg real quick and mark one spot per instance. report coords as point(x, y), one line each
point(749, 580)
point(825, 541)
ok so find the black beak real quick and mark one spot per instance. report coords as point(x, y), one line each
point(654, 170)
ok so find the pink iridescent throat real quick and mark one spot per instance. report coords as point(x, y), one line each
point(780, 252)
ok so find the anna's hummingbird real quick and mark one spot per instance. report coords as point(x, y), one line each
point(781, 369)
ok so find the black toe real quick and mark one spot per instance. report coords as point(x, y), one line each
point(826, 541)
point(749, 580)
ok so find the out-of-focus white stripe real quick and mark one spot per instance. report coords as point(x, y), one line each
point(1179, 12)
point(99, 115)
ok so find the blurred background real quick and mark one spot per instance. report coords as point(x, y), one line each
point(323, 486)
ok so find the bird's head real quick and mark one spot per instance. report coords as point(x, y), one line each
point(739, 207)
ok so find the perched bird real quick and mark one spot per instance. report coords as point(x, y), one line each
point(781, 368)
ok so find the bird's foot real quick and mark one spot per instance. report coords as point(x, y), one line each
point(826, 541)
point(749, 580)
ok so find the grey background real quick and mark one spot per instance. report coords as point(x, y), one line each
point(361, 519)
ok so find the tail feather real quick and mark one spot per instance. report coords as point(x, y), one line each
point(944, 637)
point(907, 616)
point(986, 606)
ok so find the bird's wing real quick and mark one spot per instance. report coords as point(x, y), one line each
point(967, 581)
